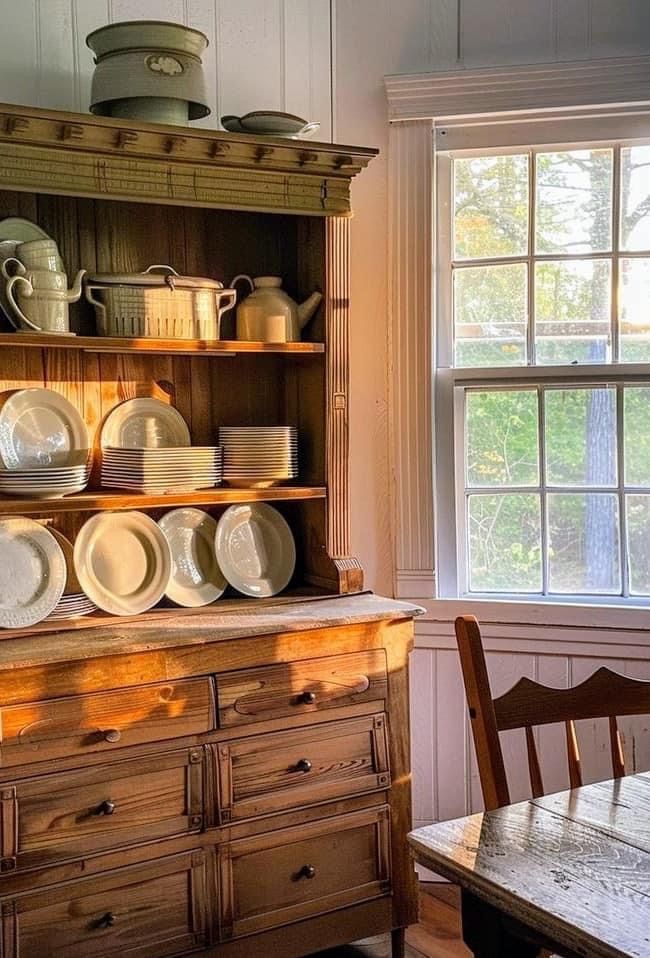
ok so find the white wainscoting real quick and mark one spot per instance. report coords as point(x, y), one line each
point(445, 779)
point(263, 54)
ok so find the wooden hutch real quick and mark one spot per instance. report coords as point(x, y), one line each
point(231, 781)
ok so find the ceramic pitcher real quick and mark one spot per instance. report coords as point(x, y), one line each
point(269, 315)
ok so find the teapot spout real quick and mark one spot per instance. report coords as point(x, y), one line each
point(307, 309)
point(74, 293)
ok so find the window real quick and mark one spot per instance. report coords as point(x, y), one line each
point(543, 371)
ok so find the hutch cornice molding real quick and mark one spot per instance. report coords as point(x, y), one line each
point(82, 155)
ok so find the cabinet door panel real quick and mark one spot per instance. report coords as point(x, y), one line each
point(297, 688)
point(80, 724)
point(295, 873)
point(284, 770)
point(145, 911)
point(76, 813)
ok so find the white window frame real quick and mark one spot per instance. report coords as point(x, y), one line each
point(451, 383)
point(482, 109)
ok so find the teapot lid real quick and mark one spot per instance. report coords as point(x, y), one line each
point(267, 281)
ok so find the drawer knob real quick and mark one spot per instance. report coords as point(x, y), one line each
point(304, 765)
point(106, 808)
point(306, 698)
point(112, 735)
point(307, 871)
point(106, 921)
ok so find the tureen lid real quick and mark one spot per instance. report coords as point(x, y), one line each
point(167, 277)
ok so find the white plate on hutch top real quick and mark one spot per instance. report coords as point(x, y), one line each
point(255, 549)
point(196, 578)
point(32, 572)
point(39, 427)
point(123, 562)
point(145, 424)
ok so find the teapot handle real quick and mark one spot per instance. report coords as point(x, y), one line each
point(14, 305)
point(243, 276)
point(20, 271)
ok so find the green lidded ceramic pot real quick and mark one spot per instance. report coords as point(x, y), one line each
point(149, 70)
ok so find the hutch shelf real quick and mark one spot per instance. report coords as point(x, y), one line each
point(230, 781)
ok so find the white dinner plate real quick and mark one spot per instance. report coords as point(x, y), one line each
point(39, 427)
point(123, 562)
point(32, 572)
point(145, 423)
point(196, 578)
point(255, 549)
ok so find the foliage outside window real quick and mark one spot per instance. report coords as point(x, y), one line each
point(547, 273)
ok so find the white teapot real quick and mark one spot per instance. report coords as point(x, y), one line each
point(269, 315)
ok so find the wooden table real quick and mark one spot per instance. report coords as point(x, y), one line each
point(568, 872)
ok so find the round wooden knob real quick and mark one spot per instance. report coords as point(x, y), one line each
point(112, 735)
point(304, 765)
point(307, 871)
point(307, 698)
point(106, 808)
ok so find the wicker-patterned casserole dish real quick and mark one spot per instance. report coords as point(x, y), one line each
point(158, 305)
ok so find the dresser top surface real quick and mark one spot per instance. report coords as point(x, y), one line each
point(182, 630)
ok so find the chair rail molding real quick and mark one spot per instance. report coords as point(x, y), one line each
point(458, 104)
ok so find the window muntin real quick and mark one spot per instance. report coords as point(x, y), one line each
point(548, 269)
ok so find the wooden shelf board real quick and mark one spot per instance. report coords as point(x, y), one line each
point(197, 347)
point(99, 619)
point(96, 500)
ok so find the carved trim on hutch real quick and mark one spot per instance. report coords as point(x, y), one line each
point(82, 155)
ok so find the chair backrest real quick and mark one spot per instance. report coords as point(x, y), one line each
point(605, 694)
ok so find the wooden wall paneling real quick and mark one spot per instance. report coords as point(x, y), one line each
point(593, 735)
point(18, 78)
point(452, 742)
point(613, 29)
point(251, 61)
point(307, 61)
point(635, 730)
point(425, 731)
point(553, 670)
point(527, 35)
point(56, 54)
point(88, 15)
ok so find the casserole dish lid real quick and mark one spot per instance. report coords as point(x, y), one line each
point(166, 277)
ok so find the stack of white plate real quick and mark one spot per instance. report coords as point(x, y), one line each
point(161, 471)
point(146, 448)
point(44, 446)
point(72, 606)
point(259, 456)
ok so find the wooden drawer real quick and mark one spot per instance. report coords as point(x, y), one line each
point(80, 724)
point(294, 688)
point(283, 770)
point(295, 873)
point(54, 817)
point(144, 911)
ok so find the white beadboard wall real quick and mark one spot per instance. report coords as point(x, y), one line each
point(326, 59)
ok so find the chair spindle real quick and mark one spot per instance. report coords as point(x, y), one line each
point(534, 770)
point(573, 755)
point(618, 758)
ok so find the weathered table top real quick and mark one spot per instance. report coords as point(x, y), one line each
point(574, 866)
point(220, 623)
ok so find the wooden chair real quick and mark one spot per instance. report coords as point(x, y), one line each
point(605, 694)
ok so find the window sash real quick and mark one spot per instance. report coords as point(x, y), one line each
point(452, 552)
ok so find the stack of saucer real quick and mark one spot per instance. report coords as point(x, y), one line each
point(162, 471)
point(44, 482)
point(259, 456)
point(71, 606)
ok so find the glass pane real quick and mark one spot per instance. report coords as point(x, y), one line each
point(573, 311)
point(491, 206)
point(636, 419)
point(504, 543)
point(583, 543)
point(637, 512)
point(490, 310)
point(574, 201)
point(580, 431)
point(635, 198)
point(501, 437)
point(634, 298)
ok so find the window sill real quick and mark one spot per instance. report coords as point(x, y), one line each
point(538, 614)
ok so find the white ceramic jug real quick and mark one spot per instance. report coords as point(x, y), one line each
point(269, 315)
